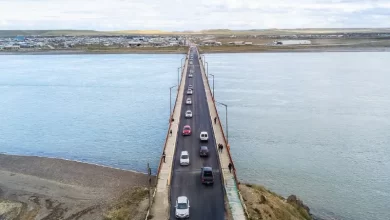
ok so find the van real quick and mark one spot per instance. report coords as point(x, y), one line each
point(207, 175)
point(204, 136)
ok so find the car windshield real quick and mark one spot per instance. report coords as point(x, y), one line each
point(184, 157)
point(204, 149)
point(208, 173)
point(186, 128)
point(188, 112)
point(182, 206)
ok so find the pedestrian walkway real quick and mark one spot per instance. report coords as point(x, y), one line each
point(161, 205)
point(229, 181)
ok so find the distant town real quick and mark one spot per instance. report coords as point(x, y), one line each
point(36, 42)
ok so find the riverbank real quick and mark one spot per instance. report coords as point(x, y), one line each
point(45, 188)
point(216, 49)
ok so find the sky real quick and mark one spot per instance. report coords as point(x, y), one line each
point(180, 15)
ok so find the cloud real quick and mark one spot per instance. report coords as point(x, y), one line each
point(192, 15)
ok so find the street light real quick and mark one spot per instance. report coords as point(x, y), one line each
point(227, 127)
point(207, 69)
point(170, 101)
point(204, 59)
point(181, 62)
point(213, 83)
point(178, 73)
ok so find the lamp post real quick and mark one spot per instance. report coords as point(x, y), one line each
point(207, 69)
point(227, 127)
point(213, 83)
point(170, 101)
point(204, 58)
point(181, 62)
point(178, 73)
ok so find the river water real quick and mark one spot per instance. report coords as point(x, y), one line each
point(312, 124)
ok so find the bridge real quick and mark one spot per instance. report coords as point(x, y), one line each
point(219, 201)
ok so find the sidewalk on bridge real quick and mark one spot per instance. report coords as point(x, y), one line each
point(229, 181)
point(160, 207)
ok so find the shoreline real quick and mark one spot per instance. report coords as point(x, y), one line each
point(33, 187)
point(208, 50)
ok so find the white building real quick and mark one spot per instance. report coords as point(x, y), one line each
point(292, 42)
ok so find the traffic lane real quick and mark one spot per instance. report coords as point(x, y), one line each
point(186, 180)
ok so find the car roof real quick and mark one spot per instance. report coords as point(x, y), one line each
point(182, 199)
point(184, 152)
point(203, 132)
point(207, 168)
point(188, 110)
point(204, 147)
point(187, 126)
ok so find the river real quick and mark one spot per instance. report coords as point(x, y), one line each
point(311, 124)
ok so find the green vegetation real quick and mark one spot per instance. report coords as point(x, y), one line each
point(129, 205)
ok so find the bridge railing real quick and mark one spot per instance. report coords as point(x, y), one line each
point(226, 144)
point(222, 130)
point(184, 68)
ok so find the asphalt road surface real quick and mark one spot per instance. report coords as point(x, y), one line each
point(206, 202)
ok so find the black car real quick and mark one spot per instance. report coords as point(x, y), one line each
point(204, 151)
point(207, 175)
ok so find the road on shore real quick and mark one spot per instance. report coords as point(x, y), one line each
point(206, 202)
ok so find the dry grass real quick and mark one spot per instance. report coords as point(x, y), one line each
point(132, 204)
point(264, 204)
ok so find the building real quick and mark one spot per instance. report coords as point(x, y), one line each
point(292, 42)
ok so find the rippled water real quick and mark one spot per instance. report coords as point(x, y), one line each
point(312, 124)
point(106, 109)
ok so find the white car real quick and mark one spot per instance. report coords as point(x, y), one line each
point(182, 207)
point(190, 75)
point(188, 114)
point(189, 91)
point(188, 101)
point(204, 136)
point(184, 158)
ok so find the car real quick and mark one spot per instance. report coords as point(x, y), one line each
point(189, 91)
point(188, 114)
point(190, 86)
point(204, 151)
point(188, 101)
point(182, 207)
point(207, 175)
point(191, 62)
point(184, 158)
point(204, 136)
point(186, 130)
point(190, 75)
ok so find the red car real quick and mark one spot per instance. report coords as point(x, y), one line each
point(187, 130)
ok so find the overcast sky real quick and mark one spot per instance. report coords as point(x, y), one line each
point(192, 15)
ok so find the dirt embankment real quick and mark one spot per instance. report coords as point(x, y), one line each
point(264, 204)
point(49, 189)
